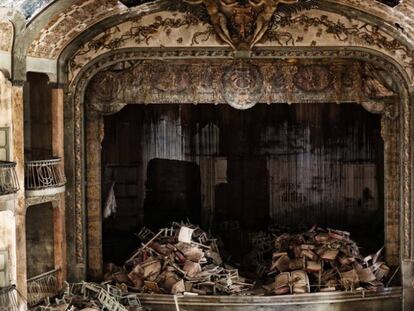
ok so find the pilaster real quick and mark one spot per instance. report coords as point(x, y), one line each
point(20, 206)
point(59, 225)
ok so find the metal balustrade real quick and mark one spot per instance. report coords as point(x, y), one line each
point(42, 287)
point(44, 174)
point(8, 178)
point(9, 299)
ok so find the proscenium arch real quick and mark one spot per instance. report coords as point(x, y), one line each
point(333, 6)
point(27, 31)
point(75, 168)
point(76, 161)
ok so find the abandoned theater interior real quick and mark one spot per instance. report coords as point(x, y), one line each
point(206, 154)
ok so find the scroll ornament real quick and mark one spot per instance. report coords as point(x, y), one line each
point(243, 23)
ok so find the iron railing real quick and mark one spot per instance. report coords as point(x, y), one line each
point(42, 287)
point(44, 174)
point(8, 178)
point(9, 299)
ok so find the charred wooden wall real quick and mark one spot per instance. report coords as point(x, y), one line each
point(292, 165)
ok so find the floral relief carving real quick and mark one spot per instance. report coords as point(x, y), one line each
point(141, 33)
point(240, 83)
point(70, 23)
point(353, 31)
point(88, 12)
point(313, 29)
point(313, 78)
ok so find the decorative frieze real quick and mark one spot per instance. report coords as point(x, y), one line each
point(316, 28)
point(70, 23)
point(239, 83)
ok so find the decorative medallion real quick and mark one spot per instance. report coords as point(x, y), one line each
point(171, 78)
point(106, 86)
point(242, 85)
point(313, 78)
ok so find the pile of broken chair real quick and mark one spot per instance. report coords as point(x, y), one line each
point(86, 296)
point(323, 260)
point(180, 259)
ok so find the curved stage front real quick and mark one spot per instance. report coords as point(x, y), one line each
point(386, 300)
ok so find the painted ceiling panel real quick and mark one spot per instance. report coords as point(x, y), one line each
point(27, 7)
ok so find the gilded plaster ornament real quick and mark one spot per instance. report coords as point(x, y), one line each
point(243, 23)
point(242, 85)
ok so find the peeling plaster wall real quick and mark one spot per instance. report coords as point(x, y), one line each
point(6, 108)
point(39, 241)
point(8, 243)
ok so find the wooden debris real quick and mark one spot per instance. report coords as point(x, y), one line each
point(330, 260)
point(181, 259)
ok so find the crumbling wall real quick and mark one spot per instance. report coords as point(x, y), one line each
point(8, 247)
point(5, 111)
point(39, 239)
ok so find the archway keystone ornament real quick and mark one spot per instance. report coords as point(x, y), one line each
point(243, 23)
point(242, 85)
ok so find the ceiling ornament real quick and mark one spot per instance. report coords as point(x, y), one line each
point(242, 84)
point(243, 23)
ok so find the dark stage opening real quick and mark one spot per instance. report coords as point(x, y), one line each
point(239, 172)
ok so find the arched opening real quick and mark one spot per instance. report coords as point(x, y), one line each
point(342, 171)
point(273, 166)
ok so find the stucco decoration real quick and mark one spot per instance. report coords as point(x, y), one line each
point(64, 27)
point(165, 30)
point(240, 83)
point(242, 24)
point(47, 46)
point(6, 36)
point(316, 28)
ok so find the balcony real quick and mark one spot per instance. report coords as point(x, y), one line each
point(9, 299)
point(8, 178)
point(44, 178)
point(42, 287)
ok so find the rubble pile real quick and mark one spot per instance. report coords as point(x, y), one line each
point(185, 260)
point(181, 259)
point(91, 296)
point(322, 260)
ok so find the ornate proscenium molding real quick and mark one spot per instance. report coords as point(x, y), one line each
point(311, 75)
point(241, 83)
point(243, 23)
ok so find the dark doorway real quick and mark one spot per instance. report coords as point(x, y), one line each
point(172, 193)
